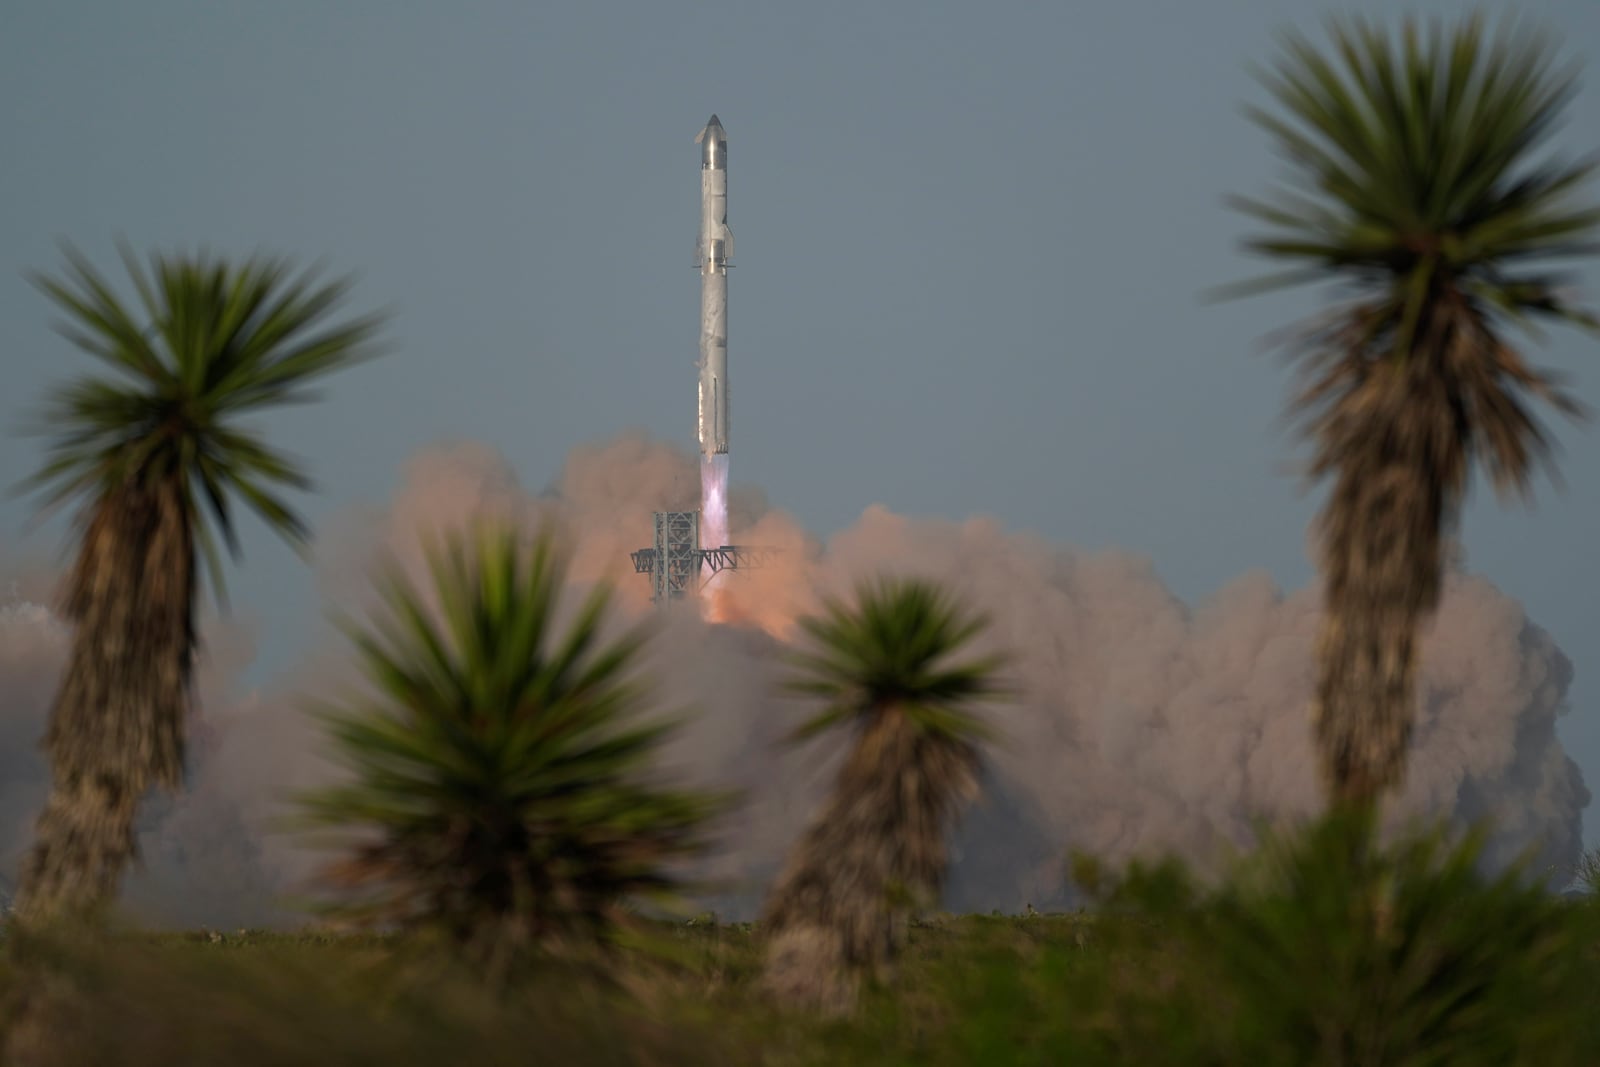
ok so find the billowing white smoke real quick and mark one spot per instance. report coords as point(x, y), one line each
point(1147, 726)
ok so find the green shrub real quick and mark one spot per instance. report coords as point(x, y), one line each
point(500, 787)
point(1327, 947)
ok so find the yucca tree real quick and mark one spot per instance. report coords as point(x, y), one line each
point(888, 669)
point(154, 453)
point(1419, 181)
point(500, 786)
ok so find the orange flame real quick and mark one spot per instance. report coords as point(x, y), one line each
point(724, 606)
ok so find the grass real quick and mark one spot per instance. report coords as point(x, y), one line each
point(1039, 989)
point(255, 999)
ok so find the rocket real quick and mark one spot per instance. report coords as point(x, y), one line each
point(712, 251)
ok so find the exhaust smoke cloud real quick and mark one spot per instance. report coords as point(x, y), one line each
point(1146, 725)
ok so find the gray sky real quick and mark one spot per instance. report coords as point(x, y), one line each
point(971, 240)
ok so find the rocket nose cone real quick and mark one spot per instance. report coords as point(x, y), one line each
point(711, 136)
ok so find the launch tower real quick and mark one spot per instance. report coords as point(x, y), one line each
point(678, 567)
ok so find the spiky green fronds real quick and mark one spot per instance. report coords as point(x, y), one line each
point(1420, 179)
point(500, 781)
point(208, 343)
point(1413, 160)
point(893, 648)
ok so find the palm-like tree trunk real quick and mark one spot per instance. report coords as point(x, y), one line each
point(116, 727)
point(1382, 537)
point(876, 851)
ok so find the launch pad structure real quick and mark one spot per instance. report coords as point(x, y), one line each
point(676, 562)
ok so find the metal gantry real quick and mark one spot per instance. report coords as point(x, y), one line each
point(676, 560)
point(737, 557)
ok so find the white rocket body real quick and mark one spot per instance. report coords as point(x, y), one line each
point(712, 251)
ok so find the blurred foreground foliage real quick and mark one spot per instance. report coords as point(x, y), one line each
point(1317, 949)
point(1331, 946)
point(501, 787)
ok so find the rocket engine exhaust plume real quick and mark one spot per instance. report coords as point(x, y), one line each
point(714, 500)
